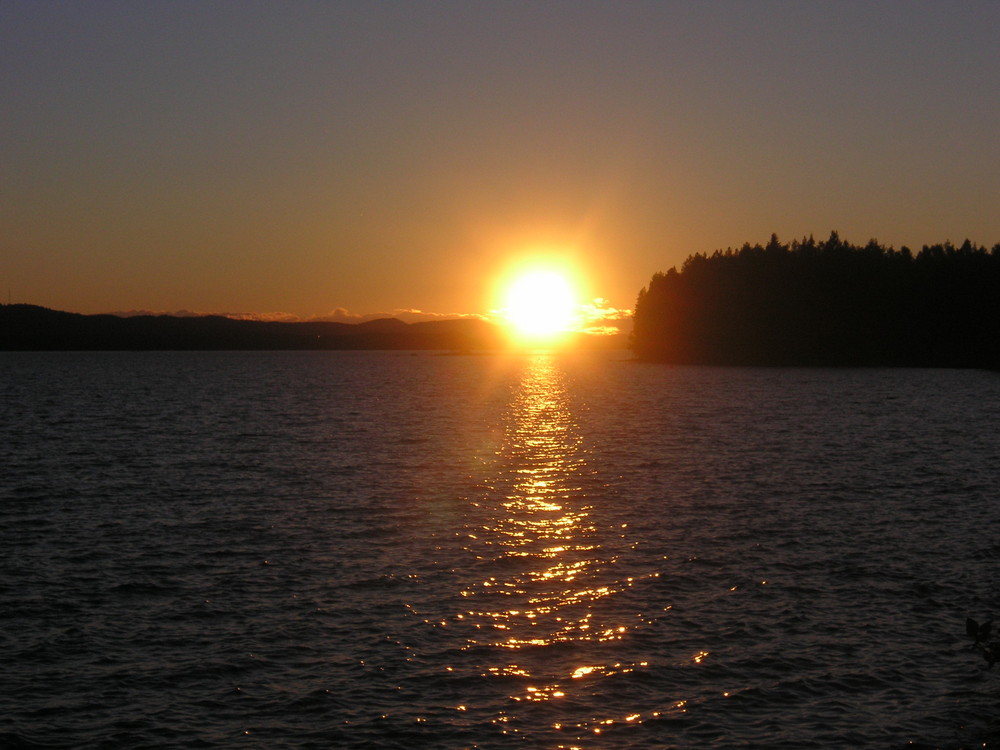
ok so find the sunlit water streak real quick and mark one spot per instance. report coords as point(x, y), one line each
point(544, 615)
point(307, 550)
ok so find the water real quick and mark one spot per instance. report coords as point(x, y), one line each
point(382, 550)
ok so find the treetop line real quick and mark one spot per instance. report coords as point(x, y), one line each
point(825, 303)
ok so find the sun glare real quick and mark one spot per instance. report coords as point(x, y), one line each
point(541, 305)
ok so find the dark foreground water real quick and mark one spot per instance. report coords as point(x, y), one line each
point(380, 550)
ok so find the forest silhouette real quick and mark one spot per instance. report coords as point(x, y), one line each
point(826, 303)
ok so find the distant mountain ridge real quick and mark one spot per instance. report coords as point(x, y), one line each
point(31, 327)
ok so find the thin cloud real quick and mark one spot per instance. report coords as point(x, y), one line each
point(267, 317)
point(595, 317)
point(343, 315)
point(601, 319)
point(271, 317)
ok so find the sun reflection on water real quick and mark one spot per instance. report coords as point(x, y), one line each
point(542, 615)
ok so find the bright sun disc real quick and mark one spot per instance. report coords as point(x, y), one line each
point(540, 305)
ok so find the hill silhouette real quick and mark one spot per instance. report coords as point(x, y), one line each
point(30, 327)
point(825, 303)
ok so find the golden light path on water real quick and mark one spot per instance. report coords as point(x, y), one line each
point(545, 616)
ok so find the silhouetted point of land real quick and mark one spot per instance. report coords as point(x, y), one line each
point(825, 303)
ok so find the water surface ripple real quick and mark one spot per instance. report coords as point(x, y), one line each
point(384, 550)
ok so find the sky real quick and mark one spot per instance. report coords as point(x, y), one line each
point(349, 158)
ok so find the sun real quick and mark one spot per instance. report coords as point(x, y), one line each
point(541, 305)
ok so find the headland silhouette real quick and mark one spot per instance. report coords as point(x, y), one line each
point(827, 303)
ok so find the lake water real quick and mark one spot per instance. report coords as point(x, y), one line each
point(386, 550)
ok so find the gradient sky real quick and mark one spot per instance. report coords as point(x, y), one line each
point(306, 156)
